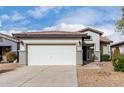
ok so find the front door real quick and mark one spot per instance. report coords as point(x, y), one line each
point(90, 55)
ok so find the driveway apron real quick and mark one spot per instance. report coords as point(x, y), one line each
point(40, 76)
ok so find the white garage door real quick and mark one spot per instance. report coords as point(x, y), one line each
point(51, 55)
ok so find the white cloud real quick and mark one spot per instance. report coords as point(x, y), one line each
point(116, 37)
point(81, 16)
point(108, 29)
point(24, 22)
point(91, 16)
point(17, 16)
point(0, 24)
point(4, 17)
point(65, 27)
point(102, 20)
point(40, 12)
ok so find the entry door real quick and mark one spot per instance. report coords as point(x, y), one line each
point(90, 55)
point(51, 54)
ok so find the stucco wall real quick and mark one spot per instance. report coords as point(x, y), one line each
point(6, 42)
point(51, 41)
point(79, 57)
point(106, 49)
point(95, 39)
point(22, 57)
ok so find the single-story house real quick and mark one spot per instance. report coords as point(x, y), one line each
point(118, 45)
point(7, 43)
point(62, 47)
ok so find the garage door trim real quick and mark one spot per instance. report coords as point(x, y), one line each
point(44, 45)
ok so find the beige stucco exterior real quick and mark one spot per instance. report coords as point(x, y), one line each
point(95, 39)
point(75, 41)
point(106, 49)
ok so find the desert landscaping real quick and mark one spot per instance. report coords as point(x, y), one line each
point(100, 77)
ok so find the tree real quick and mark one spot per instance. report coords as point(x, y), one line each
point(120, 23)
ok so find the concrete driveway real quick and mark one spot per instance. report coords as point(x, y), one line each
point(40, 76)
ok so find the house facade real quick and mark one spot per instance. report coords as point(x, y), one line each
point(118, 46)
point(50, 48)
point(61, 47)
point(7, 43)
point(96, 46)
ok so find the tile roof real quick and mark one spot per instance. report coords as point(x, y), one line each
point(117, 44)
point(49, 34)
point(8, 37)
point(105, 40)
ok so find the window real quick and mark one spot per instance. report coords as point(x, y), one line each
point(89, 38)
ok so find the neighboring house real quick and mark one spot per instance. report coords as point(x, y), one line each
point(105, 45)
point(61, 47)
point(7, 43)
point(117, 45)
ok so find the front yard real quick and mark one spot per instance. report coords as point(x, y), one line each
point(8, 67)
point(100, 77)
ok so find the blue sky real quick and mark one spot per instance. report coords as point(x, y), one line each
point(35, 18)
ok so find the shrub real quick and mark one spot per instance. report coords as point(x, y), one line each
point(10, 56)
point(118, 63)
point(105, 57)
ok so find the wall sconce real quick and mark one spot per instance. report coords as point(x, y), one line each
point(79, 43)
point(22, 42)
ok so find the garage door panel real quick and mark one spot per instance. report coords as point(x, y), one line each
point(51, 55)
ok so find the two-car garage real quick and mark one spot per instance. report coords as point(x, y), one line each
point(51, 54)
point(50, 48)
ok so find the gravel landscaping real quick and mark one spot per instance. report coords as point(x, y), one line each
point(103, 76)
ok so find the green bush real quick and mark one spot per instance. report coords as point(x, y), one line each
point(10, 56)
point(118, 63)
point(105, 57)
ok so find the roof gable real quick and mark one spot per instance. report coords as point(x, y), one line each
point(91, 29)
